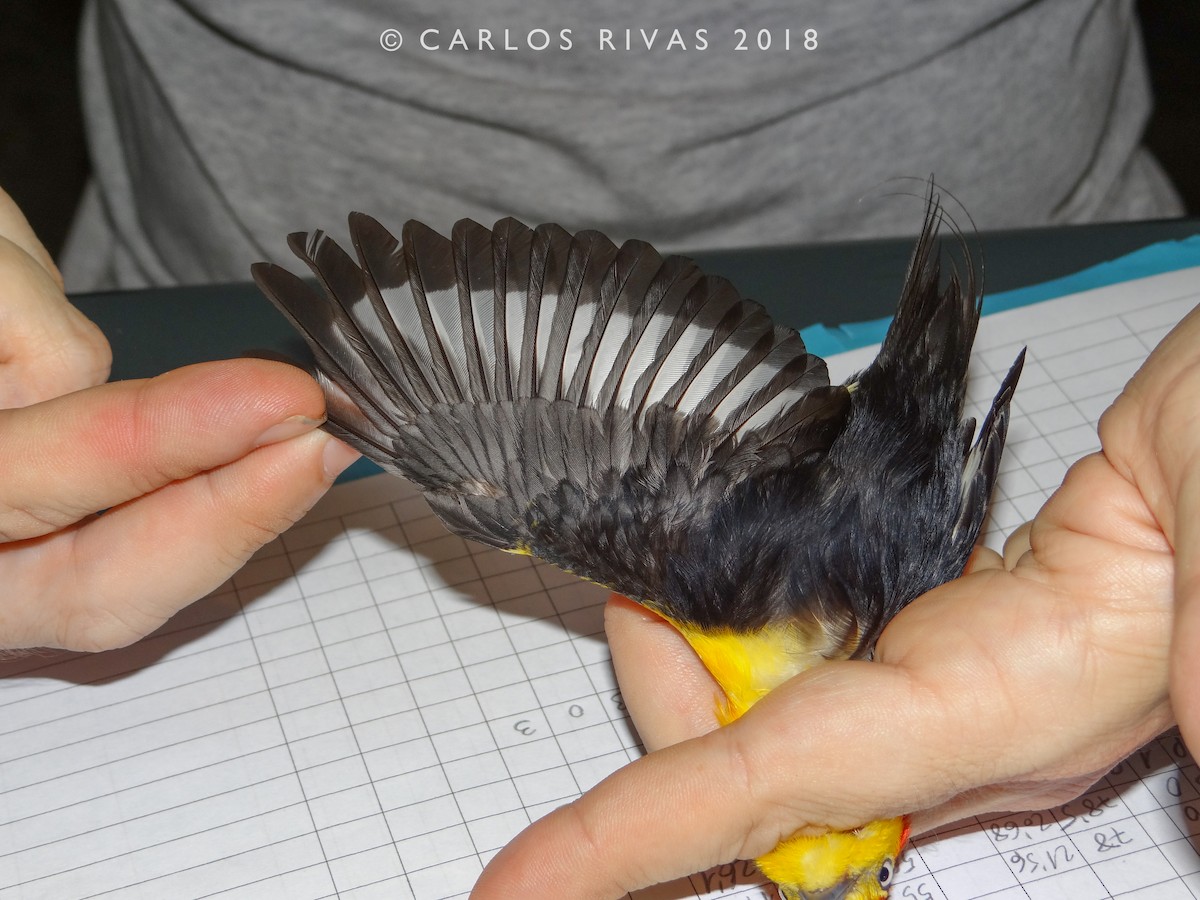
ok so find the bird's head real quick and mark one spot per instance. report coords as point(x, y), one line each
point(839, 865)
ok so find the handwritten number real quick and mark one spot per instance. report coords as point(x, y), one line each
point(1174, 788)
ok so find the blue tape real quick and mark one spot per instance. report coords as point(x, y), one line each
point(1168, 256)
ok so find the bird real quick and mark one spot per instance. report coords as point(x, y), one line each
point(635, 421)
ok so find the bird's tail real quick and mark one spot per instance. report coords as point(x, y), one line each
point(982, 463)
point(928, 345)
point(914, 393)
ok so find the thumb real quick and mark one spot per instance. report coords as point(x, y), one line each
point(733, 793)
point(671, 813)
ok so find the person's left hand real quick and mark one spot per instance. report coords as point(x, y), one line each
point(194, 469)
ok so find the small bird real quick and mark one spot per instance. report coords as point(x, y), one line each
point(638, 423)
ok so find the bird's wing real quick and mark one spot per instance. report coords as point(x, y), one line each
point(554, 393)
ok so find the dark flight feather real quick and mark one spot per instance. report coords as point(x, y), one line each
point(639, 423)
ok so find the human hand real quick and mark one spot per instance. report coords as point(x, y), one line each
point(1013, 687)
point(1152, 435)
point(47, 347)
point(196, 468)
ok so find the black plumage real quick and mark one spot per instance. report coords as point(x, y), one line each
point(637, 422)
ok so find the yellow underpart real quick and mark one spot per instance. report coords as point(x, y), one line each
point(519, 550)
point(820, 861)
point(748, 666)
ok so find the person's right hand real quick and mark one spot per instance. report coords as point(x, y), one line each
point(1151, 435)
point(1013, 687)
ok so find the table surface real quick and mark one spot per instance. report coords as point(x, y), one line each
point(159, 329)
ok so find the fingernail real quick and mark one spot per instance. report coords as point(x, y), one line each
point(287, 429)
point(337, 457)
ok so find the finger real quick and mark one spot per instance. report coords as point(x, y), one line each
point(1017, 545)
point(1150, 431)
point(47, 347)
point(120, 576)
point(826, 755)
point(982, 558)
point(671, 813)
point(669, 694)
point(72, 456)
point(16, 228)
point(628, 832)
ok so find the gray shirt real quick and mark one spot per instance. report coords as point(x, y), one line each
point(218, 126)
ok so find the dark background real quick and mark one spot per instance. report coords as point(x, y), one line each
point(43, 159)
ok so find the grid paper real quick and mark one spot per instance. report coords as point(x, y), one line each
point(373, 707)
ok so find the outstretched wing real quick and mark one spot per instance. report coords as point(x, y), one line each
point(552, 393)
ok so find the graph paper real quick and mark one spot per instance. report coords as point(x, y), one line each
point(373, 707)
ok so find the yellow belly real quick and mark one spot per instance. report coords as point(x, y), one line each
point(749, 665)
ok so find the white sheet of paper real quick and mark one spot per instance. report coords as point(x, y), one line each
point(372, 707)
